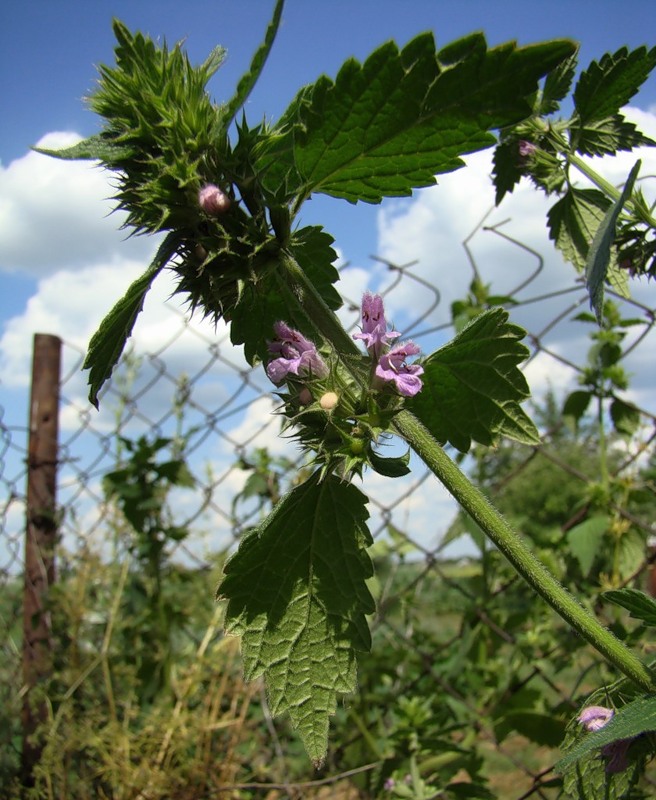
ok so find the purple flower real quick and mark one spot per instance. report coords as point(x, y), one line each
point(374, 327)
point(594, 718)
point(297, 355)
point(617, 755)
point(392, 367)
point(526, 149)
point(213, 201)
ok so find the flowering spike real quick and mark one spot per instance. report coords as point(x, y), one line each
point(374, 327)
point(297, 355)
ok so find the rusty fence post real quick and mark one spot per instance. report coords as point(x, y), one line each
point(40, 536)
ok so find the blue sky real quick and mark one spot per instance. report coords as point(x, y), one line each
point(62, 261)
point(48, 53)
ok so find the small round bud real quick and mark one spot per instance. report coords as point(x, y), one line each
point(213, 200)
point(328, 401)
point(305, 396)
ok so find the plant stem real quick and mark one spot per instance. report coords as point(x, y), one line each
point(314, 308)
point(607, 188)
point(472, 499)
point(518, 554)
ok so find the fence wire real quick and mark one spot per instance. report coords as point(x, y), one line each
point(218, 414)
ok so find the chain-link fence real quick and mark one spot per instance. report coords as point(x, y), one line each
point(194, 399)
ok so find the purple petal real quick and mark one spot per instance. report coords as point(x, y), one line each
point(594, 718)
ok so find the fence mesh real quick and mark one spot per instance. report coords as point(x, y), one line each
point(195, 391)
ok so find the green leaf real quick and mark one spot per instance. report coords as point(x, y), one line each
point(605, 86)
point(260, 305)
point(638, 604)
point(248, 81)
point(95, 148)
point(599, 255)
point(389, 467)
point(630, 553)
point(543, 729)
point(107, 343)
point(607, 136)
point(557, 85)
point(473, 386)
point(576, 405)
point(626, 417)
point(312, 249)
point(252, 319)
point(585, 541)
point(389, 125)
point(297, 595)
point(635, 718)
point(508, 170)
point(573, 222)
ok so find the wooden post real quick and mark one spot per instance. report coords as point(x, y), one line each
point(40, 536)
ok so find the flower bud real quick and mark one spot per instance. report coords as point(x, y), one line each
point(213, 200)
point(526, 149)
point(328, 401)
point(305, 396)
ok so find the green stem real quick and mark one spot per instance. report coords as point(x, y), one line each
point(473, 500)
point(513, 548)
point(313, 306)
point(607, 188)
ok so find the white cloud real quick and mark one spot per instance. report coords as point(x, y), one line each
point(57, 214)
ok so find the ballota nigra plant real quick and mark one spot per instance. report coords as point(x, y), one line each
point(227, 197)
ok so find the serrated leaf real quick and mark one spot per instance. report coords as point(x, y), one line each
point(260, 306)
point(625, 417)
point(607, 85)
point(507, 170)
point(599, 255)
point(253, 317)
point(473, 386)
point(585, 539)
point(95, 148)
point(607, 136)
point(297, 594)
point(573, 222)
point(635, 718)
point(638, 604)
point(108, 342)
point(250, 78)
point(313, 249)
point(557, 85)
point(389, 125)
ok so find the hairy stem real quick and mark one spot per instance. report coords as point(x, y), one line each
point(513, 548)
point(472, 499)
point(313, 306)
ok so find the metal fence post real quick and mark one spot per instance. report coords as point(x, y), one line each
point(40, 535)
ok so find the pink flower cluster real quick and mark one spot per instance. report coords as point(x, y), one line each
point(297, 355)
point(391, 363)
